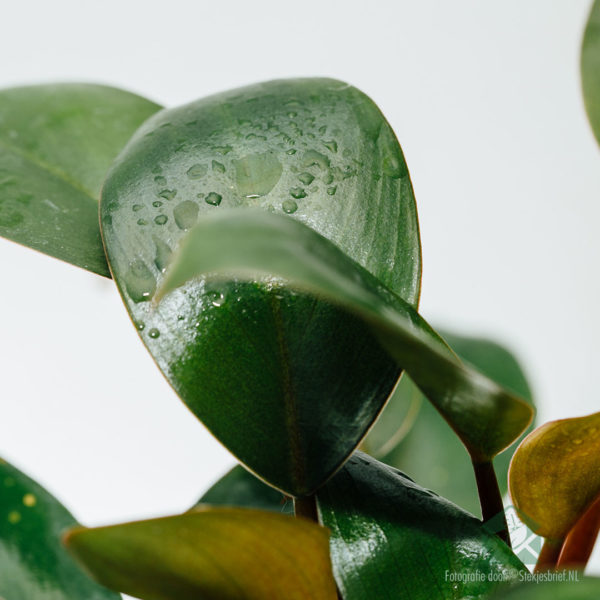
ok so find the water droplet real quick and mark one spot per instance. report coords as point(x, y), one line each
point(29, 500)
point(14, 517)
point(139, 281)
point(168, 194)
point(197, 171)
point(349, 172)
point(157, 203)
point(161, 219)
point(213, 199)
point(223, 149)
point(218, 167)
point(328, 178)
point(142, 222)
point(163, 254)
point(140, 326)
point(331, 190)
point(331, 145)
point(257, 174)
point(297, 192)
point(289, 206)
point(291, 151)
point(186, 214)
point(154, 333)
point(216, 298)
point(137, 207)
point(160, 180)
point(180, 317)
point(306, 178)
point(313, 158)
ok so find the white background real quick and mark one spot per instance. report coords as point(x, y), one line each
point(485, 99)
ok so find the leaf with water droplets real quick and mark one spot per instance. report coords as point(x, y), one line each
point(412, 436)
point(555, 474)
point(33, 563)
point(287, 383)
point(56, 145)
point(590, 68)
point(486, 417)
point(210, 554)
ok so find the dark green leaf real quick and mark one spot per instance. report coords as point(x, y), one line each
point(486, 417)
point(590, 68)
point(287, 383)
point(56, 145)
point(582, 588)
point(211, 554)
point(392, 539)
point(429, 451)
point(555, 474)
point(240, 488)
point(33, 563)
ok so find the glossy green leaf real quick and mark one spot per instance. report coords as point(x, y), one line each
point(590, 68)
point(486, 417)
point(430, 452)
point(56, 145)
point(33, 563)
point(580, 588)
point(210, 554)
point(239, 487)
point(555, 474)
point(391, 539)
point(287, 383)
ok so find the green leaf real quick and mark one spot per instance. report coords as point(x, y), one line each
point(555, 474)
point(289, 384)
point(583, 588)
point(429, 451)
point(391, 538)
point(239, 487)
point(486, 417)
point(56, 145)
point(590, 68)
point(210, 554)
point(33, 563)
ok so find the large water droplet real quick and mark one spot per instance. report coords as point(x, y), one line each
point(297, 192)
point(137, 207)
point(257, 174)
point(154, 333)
point(331, 190)
point(161, 219)
point(197, 171)
point(289, 206)
point(218, 167)
point(186, 214)
point(306, 178)
point(163, 254)
point(213, 199)
point(168, 194)
point(216, 298)
point(139, 281)
point(313, 158)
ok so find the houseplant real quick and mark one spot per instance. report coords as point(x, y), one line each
point(290, 384)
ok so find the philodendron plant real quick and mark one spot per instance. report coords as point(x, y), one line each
point(265, 243)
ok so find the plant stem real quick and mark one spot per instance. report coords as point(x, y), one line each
point(490, 498)
point(306, 507)
point(548, 556)
point(579, 543)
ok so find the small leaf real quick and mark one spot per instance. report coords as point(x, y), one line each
point(554, 475)
point(582, 588)
point(391, 538)
point(33, 563)
point(590, 68)
point(486, 418)
point(211, 553)
point(56, 145)
point(287, 383)
point(429, 451)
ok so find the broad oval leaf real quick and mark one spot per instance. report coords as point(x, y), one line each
point(287, 383)
point(579, 588)
point(391, 538)
point(486, 417)
point(590, 68)
point(33, 563)
point(428, 450)
point(210, 554)
point(56, 145)
point(554, 475)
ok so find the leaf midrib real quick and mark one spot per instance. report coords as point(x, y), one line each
point(52, 170)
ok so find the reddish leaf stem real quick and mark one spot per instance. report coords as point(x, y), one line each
point(580, 541)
